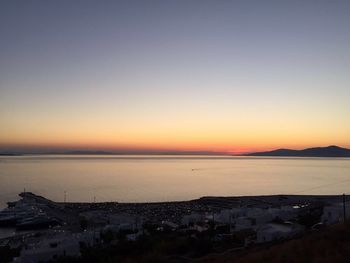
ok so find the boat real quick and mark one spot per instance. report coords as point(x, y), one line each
point(36, 222)
point(10, 216)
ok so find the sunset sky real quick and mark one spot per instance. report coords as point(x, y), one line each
point(226, 76)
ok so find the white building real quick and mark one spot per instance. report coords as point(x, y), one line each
point(193, 218)
point(170, 225)
point(246, 217)
point(285, 212)
point(335, 213)
point(49, 249)
point(241, 223)
point(272, 231)
point(54, 245)
point(134, 236)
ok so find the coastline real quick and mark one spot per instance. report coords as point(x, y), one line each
point(248, 218)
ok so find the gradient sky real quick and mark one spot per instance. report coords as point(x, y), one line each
point(214, 75)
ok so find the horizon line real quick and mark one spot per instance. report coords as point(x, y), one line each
point(81, 151)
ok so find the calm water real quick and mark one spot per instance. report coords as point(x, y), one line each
point(164, 178)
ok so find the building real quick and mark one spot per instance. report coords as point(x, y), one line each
point(272, 232)
point(49, 249)
point(334, 214)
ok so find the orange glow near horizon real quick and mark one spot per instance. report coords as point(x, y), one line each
point(211, 134)
point(201, 130)
point(169, 143)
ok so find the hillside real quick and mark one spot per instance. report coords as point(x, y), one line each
point(330, 151)
point(330, 245)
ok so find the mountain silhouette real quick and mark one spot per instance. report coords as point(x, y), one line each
point(330, 151)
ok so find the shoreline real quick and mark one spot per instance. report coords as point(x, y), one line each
point(220, 198)
point(179, 155)
point(273, 197)
point(278, 199)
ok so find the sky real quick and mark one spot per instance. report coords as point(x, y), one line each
point(219, 76)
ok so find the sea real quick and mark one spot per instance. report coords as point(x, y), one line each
point(157, 178)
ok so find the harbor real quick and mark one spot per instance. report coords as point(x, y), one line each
point(33, 222)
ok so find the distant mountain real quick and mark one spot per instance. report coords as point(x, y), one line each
point(88, 152)
point(330, 151)
point(115, 152)
point(141, 152)
point(10, 154)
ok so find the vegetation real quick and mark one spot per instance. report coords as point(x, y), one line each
point(7, 254)
point(329, 245)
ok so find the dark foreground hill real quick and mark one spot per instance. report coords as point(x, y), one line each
point(330, 151)
point(327, 246)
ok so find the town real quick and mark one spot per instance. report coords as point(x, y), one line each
point(47, 231)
